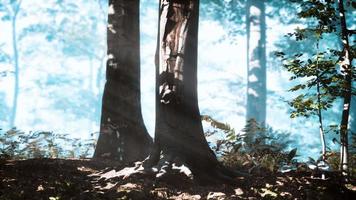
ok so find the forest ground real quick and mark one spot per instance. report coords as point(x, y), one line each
point(59, 179)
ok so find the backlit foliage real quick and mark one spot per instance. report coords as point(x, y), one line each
point(15, 144)
point(255, 148)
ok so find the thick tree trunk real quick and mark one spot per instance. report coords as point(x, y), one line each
point(353, 116)
point(179, 136)
point(256, 61)
point(346, 69)
point(123, 135)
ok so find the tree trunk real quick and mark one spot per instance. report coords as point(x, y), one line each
point(320, 116)
point(353, 116)
point(346, 69)
point(123, 135)
point(179, 136)
point(321, 129)
point(256, 61)
point(16, 10)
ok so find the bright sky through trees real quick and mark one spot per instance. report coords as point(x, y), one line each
point(62, 67)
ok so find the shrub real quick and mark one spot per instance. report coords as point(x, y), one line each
point(15, 144)
point(255, 148)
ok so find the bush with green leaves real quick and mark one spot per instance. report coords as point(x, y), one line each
point(256, 148)
point(15, 144)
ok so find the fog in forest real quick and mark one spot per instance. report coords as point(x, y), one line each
point(60, 49)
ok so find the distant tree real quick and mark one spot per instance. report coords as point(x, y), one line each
point(123, 135)
point(179, 136)
point(249, 17)
point(256, 61)
point(70, 39)
point(11, 10)
point(79, 39)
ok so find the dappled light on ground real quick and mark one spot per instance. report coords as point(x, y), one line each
point(88, 179)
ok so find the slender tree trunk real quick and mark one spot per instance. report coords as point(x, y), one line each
point(179, 134)
point(321, 129)
point(123, 135)
point(320, 116)
point(256, 61)
point(16, 65)
point(346, 69)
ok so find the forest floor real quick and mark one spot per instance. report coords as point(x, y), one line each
point(58, 179)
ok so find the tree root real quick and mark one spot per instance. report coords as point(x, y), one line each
point(172, 170)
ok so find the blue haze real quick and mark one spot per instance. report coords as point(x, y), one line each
point(62, 52)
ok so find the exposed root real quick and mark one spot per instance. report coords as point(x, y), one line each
point(173, 170)
point(169, 165)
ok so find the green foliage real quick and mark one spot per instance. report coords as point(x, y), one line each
point(15, 144)
point(323, 15)
point(319, 79)
point(255, 148)
point(265, 147)
point(315, 69)
point(320, 71)
point(226, 128)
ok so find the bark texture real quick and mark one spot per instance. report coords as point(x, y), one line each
point(123, 135)
point(353, 115)
point(346, 69)
point(179, 136)
point(256, 61)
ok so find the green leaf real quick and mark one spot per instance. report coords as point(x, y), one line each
point(292, 154)
point(311, 160)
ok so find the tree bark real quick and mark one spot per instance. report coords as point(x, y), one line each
point(256, 61)
point(123, 135)
point(353, 116)
point(321, 129)
point(320, 116)
point(179, 136)
point(346, 69)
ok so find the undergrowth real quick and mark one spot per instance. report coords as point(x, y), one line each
point(255, 148)
point(16, 144)
point(260, 149)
